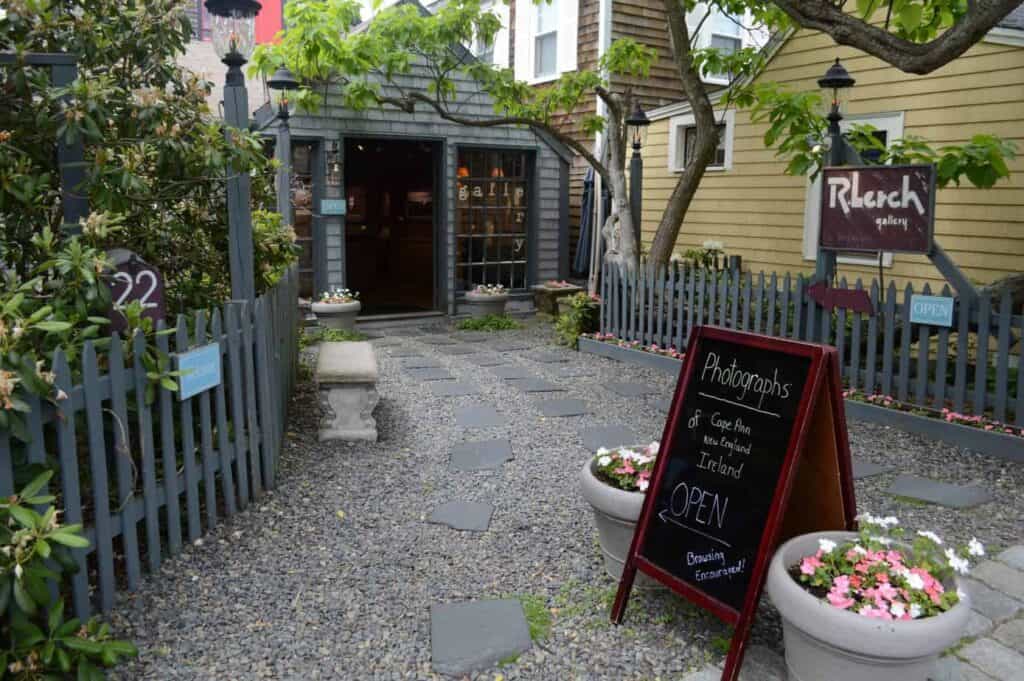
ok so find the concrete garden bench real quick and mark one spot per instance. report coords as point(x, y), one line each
point(346, 375)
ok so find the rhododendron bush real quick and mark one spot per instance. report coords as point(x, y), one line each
point(884, 574)
point(626, 468)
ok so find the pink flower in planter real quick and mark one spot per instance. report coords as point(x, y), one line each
point(809, 564)
point(875, 613)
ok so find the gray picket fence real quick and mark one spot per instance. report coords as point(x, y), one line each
point(144, 475)
point(972, 368)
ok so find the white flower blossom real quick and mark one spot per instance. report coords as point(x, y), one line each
point(961, 565)
point(889, 521)
point(826, 545)
point(897, 610)
point(860, 549)
point(915, 610)
point(915, 581)
point(642, 484)
point(628, 454)
point(653, 448)
point(601, 451)
point(604, 460)
point(975, 547)
point(930, 535)
point(884, 541)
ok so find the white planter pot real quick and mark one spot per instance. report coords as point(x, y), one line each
point(481, 304)
point(616, 513)
point(337, 315)
point(824, 642)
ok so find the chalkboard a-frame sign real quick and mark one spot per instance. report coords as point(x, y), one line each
point(755, 451)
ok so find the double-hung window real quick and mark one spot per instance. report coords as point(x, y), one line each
point(682, 141)
point(726, 38)
point(545, 40)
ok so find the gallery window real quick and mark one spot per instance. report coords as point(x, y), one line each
point(491, 218)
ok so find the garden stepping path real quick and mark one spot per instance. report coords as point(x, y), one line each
point(453, 388)
point(468, 636)
point(509, 346)
point(608, 436)
point(482, 455)
point(565, 407)
point(421, 362)
point(485, 360)
point(548, 357)
point(862, 468)
point(512, 372)
point(535, 385)
point(628, 389)
point(469, 516)
point(431, 374)
point(479, 417)
point(436, 340)
point(457, 349)
point(942, 493)
point(404, 353)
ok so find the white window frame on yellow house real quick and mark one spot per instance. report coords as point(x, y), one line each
point(677, 126)
point(892, 123)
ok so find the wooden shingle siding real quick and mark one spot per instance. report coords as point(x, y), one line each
point(757, 210)
point(646, 23)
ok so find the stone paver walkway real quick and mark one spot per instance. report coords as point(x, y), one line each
point(458, 545)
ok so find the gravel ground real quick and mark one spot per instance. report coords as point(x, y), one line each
point(332, 575)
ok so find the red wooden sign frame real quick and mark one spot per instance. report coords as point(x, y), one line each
point(820, 412)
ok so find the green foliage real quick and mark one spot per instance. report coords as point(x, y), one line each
point(490, 322)
point(274, 247)
point(538, 617)
point(581, 317)
point(914, 20)
point(36, 641)
point(156, 158)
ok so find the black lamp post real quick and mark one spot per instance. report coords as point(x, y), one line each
point(638, 124)
point(234, 37)
point(281, 84)
point(835, 86)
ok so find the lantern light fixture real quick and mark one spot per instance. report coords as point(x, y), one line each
point(233, 28)
point(835, 86)
point(638, 123)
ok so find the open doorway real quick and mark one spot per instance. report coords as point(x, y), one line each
point(389, 225)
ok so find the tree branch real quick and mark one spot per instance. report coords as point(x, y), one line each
point(907, 56)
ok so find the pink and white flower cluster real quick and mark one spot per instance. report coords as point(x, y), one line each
point(669, 351)
point(882, 576)
point(626, 468)
point(948, 415)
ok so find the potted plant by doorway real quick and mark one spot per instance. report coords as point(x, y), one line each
point(614, 483)
point(337, 309)
point(870, 605)
point(487, 299)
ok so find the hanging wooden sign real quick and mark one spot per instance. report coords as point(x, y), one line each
point(755, 451)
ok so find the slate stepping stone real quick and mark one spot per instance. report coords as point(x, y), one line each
point(457, 349)
point(571, 371)
point(479, 417)
point(627, 389)
point(511, 372)
point(567, 407)
point(453, 388)
point(862, 468)
point(431, 374)
point(596, 437)
point(485, 360)
point(483, 455)
point(436, 340)
point(548, 357)
point(534, 385)
point(421, 362)
point(510, 346)
point(470, 516)
point(942, 493)
point(465, 637)
point(404, 352)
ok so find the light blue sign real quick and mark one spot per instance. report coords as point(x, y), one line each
point(332, 206)
point(200, 369)
point(931, 310)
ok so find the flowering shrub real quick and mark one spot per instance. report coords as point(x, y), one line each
point(669, 351)
point(882, 576)
point(489, 290)
point(625, 468)
point(582, 317)
point(948, 415)
point(337, 296)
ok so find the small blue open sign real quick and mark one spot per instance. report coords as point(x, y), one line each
point(200, 370)
point(931, 310)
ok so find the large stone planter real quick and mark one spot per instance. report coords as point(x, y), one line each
point(824, 642)
point(337, 315)
point(545, 298)
point(482, 304)
point(616, 513)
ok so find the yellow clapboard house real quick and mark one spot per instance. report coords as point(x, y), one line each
point(748, 203)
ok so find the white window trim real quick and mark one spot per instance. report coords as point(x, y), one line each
point(749, 37)
point(685, 120)
point(526, 41)
point(892, 123)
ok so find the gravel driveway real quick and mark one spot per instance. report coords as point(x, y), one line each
point(332, 575)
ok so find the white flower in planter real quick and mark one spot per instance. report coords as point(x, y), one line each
point(975, 548)
point(826, 545)
point(928, 534)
